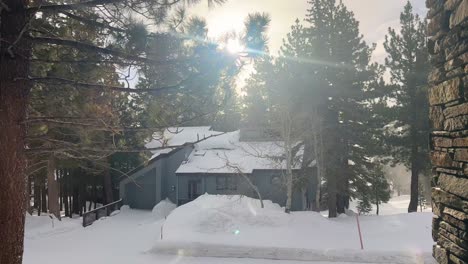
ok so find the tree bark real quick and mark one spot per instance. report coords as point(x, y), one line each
point(14, 64)
point(108, 189)
point(52, 189)
point(28, 199)
point(65, 199)
point(413, 205)
point(331, 160)
point(318, 147)
point(288, 149)
point(43, 195)
point(37, 194)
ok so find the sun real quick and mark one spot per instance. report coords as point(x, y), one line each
point(234, 46)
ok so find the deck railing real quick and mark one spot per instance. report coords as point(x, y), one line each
point(105, 210)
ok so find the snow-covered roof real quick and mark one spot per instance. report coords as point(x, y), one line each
point(177, 136)
point(226, 154)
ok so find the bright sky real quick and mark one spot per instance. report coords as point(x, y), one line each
point(375, 17)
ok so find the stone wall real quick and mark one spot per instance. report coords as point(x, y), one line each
point(448, 98)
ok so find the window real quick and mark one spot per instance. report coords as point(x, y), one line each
point(224, 183)
point(275, 179)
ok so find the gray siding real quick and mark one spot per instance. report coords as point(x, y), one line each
point(155, 182)
point(269, 188)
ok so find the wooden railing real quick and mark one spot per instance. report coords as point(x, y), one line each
point(105, 210)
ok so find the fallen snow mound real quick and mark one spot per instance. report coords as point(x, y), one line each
point(163, 209)
point(240, 221)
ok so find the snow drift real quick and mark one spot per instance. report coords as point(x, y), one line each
point(238, 222)
point(163, 209)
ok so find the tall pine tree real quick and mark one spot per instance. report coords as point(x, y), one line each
point(409, 67)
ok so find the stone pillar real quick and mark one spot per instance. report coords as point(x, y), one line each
point(448, 98)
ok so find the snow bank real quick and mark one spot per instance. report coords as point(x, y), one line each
point(239, 221)
point(48, 225)
point(163, 209)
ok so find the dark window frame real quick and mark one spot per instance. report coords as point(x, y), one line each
point(226, 183)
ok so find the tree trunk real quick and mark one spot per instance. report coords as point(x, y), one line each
point(52, 189)
point(377, 205)
point(14, 64)
point(37, 194)
point(75, 197)
point(289, 176)
point(43, 195)
point(318, 152)
point(413, 205)
point(28, 199)
point(60, 184)
point(108, 189)
point(331, 161)
point(66, 203)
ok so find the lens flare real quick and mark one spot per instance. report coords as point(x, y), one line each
point(234, 46)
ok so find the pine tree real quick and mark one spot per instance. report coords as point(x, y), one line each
point(409, 66)
point(380, 189)
point(324, 73)
point(346, 77)
point(123, 44)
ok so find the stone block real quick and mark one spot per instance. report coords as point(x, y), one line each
point(454, 185)
point(453, 238)
point(461, 155)
point(456, 53)
point(460, 14)
point(450, 5)
point(438, 23)
point(461, 109)
point(440, 196)
point(442, 142)
point(457, 232)
point(441, 159)
point(437, 7)
point(456, 123)
point(452, 247)
point(445, 92)
point(460, 142)
point(437, 118)
point(440, 254)
point(449, 171)
point(436, 75)
point(455, 260)
point(462, 216)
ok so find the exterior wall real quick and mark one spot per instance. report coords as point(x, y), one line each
point(156, 182)
point(448, 96)
point(141, 192)
point(171, 164)
point(269, 188)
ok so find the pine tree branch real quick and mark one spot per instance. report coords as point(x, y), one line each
point(93, 22)
point(92, 3)
point(104, 87)
point(92, 48)
point(114, 150)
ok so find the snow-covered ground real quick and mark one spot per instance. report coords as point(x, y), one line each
point(397, 205)
point(232, 227)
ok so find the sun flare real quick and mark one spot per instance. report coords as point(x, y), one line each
point(234, 46)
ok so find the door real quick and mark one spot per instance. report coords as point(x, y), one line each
point(194, 191)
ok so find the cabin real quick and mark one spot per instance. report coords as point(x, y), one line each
point(201, 160)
